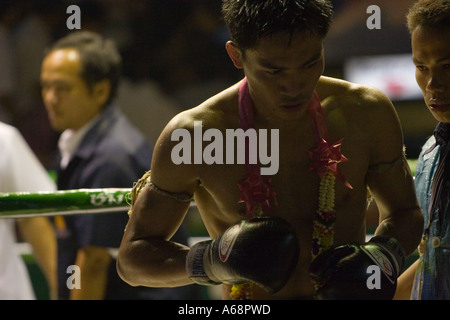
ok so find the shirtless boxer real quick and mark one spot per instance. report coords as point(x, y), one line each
point(279, 47)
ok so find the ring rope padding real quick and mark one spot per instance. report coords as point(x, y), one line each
point(64, 202)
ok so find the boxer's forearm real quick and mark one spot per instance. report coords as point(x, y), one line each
point(405, 226)
point(153, 263)
point(146, 256)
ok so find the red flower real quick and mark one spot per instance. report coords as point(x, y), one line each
point(256, 190)
point(326, 157)
point(327, 216)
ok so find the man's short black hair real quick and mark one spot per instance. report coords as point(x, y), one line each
point(250, 20)
point(429, 13)
point(99, 57)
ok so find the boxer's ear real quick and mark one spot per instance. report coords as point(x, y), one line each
point(235, 54)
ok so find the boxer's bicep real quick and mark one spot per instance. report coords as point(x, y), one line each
point(172, 165)
point(163, 195)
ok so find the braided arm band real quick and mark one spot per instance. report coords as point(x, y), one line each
point(145, 181)
point(385, 166)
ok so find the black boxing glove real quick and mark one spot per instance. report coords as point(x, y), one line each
point(261, 250)
point(359, 272)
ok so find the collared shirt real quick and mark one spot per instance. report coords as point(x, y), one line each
point(70, 140)
point(432, 280)
point(442, 136)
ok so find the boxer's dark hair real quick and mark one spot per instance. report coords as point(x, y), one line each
point(250, 20)
point(429, 13)
point(99, 57)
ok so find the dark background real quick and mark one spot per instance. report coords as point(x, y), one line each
point(174, 58)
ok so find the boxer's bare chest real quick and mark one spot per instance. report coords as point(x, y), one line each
point(288, 157)
point(296, 187)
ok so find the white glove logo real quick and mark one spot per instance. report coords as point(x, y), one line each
point(227, 242)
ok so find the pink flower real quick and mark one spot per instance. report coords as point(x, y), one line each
point(326, 157)
point(256, 190)
point(328, 216)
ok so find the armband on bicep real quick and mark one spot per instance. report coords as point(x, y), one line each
point(177, 196)
point(145, 181)
point(386, 166)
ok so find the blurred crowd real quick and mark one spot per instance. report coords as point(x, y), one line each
point(173, 54)
point(173, 58)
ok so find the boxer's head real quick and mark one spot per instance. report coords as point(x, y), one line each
point(248, 21)
point(279, 45)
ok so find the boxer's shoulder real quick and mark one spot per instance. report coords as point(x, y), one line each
point(356, 98)
point(219, 111)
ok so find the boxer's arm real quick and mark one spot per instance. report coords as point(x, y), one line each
point(390, 180)
point(341, 273)
point(400, 214)
point(146, 256)
point(405, 282)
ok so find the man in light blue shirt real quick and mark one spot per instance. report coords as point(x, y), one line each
point(429, 277)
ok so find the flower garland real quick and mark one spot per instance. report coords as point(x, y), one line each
point(324, 161)
point(257, 192)
point(325, 217)
point(241, 291)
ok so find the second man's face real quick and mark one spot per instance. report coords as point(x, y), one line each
point(69, 102)
point(431, 55)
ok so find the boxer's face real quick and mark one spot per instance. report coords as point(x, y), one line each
point(431, 55)
point(282, 73)
point(69, 102)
